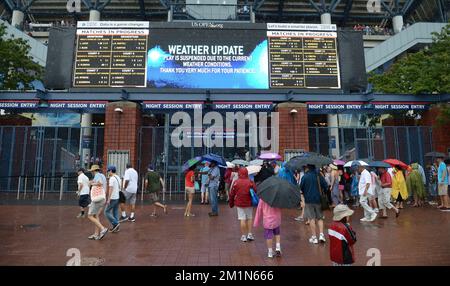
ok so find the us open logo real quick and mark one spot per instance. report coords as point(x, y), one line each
point(373, 6)
point(73, 6)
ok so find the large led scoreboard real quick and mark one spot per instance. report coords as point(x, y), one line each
point(206, 55)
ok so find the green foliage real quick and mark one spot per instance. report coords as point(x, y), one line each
point(16, 65)
point(424, 72)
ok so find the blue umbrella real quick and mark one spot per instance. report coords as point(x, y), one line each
point(190, 163)
point(216, 158)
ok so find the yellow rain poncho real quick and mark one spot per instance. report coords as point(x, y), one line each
point(414, 182)
point(399, 185)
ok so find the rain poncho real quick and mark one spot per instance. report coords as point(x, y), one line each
point(286, 174)
point(414, 182)
point(354, 187)
point(399, 185)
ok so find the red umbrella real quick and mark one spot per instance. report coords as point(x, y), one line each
point(395, 162)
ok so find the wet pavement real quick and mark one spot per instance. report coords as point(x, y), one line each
point(43, 234)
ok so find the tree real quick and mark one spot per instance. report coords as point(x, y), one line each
point(424, 72)
point(17, 68)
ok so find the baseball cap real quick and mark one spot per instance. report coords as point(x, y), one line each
point(111, 168)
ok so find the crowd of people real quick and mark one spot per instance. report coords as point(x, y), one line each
point(333, 186)
point(373, 30)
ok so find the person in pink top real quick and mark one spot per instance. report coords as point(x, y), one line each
point(271, 218)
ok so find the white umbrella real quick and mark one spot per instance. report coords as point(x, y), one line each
point(256, 162)
point(230, 165)
point(253, 169)
point(349, 163)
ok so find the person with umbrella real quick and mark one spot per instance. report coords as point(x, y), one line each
point(213, 186)
point(309, 185)
point(189, 187)
point(265, 172)
point(241, 198)
point(271, 219)
point(432, 185)
point(274, 194)
point(384, 197)
point(204, 178)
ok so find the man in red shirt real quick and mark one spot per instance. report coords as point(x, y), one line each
point(384, 198)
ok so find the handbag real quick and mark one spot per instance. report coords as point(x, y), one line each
point(255, 198)
point(323, 197)
point(97, 194)
point(196, 186)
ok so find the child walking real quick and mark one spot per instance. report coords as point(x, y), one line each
point(271, 218)
point(342, 237)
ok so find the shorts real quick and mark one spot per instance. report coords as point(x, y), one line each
point(204, 188)
point(154, 198)
point(95, 208)
point(269, 233)
point(122, 198)
point(313, 211)
point(245, 213)
point(130, 198)
point(442, 189)
point(190, 190)
point(84, 201)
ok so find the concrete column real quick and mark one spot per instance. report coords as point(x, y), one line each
point(333, 134)
point(325, 18)
point(170, 14)
point(17, 18)
point(252, 15)
point(86, 118)
point(94, 15)
point(86, 137)
point(397, 23)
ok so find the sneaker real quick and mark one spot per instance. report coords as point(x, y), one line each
point(444, 209)
point(314, 240)
point(432, 203)
point(123, 218)
point(132, 219)
point(92, 237)
point(102, 234)
point(322, 238)
point(80, 215)
point(213, 214)
point(299, 218)
point(270, 254)
point(373, 217)
point(278, 252)
point(376, 210)
point(116, 228)
point(243, 238)
point(250, 237)
point(364, 219)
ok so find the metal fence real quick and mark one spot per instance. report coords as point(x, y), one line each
point(43, 155)
point(406, 143)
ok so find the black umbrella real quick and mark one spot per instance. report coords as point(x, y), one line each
point(379, 164)
point(308, 159)
point(434, 154)
point(279, 193)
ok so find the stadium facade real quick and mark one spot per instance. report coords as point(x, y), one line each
point(112, 87)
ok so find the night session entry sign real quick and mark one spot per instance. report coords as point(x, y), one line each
point(129, 54)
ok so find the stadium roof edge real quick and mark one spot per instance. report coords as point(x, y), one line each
point(226, 96)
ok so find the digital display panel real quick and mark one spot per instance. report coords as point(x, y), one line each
point(289, 56)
